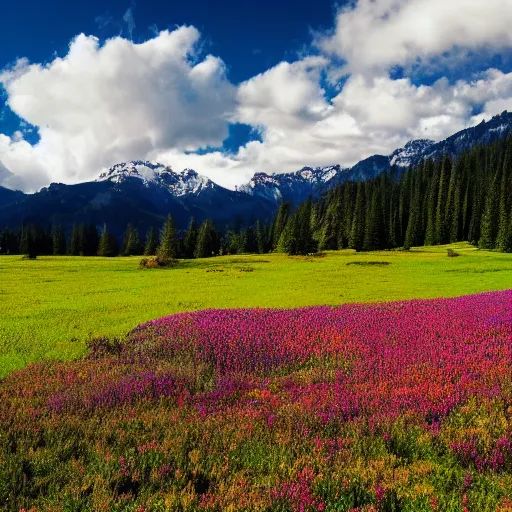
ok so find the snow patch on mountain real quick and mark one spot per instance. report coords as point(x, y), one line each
point(179, 184)
point(409, 154)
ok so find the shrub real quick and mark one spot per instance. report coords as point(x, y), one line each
point(158, 262)
point(452, 253)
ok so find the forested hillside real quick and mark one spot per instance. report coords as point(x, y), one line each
point(435, 203)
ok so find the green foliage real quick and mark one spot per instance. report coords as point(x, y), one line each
point(168, 248)
point(132, 245)
point(207, 241)
point(190, 240)
point(53, 305)
point(151, 245)
point(438, 202)
point(108, 246)
point(297, 236)
point(58, 241)
point(280, 221)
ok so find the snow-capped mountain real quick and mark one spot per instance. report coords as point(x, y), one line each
point(295, 187)
point(143, 192)
point(299, 185)
point(179, 184)
point(409, 154)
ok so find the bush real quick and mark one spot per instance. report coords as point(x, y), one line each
point(452, 253)
point(101, 347)
point(158, 262)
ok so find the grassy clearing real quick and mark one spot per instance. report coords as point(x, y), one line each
point(50, 307)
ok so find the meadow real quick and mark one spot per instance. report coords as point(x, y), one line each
point(392, 407)
point(51, 307)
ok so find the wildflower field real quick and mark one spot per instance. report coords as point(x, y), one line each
point(51, 307)
point(399, 406)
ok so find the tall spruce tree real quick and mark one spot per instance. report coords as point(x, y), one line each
point(151, 245)
point(133, 245)
point(207, 240)
point(168, 248)
point(280, 221)
point(190, 239)
point(356, 240)
point(108, 246)
point(58, 240)
point(297, 236)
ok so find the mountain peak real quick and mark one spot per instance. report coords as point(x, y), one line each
point(153, 173)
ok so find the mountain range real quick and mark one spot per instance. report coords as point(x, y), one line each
point(143, 192)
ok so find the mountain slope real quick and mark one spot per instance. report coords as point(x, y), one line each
point(143, 192)
point(142, 202)
point(298, 186)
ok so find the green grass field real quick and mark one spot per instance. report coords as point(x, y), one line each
point(51, 306)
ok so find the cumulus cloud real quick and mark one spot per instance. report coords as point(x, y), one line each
point(369, 116)
point(103, 104)
point(378, 34)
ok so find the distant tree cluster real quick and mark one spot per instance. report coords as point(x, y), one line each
point(438, 202)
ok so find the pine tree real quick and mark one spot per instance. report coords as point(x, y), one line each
point(133, 244)
point(261, 238)
point(126, 238)
point(58, 240)
point(28, 242)
point(190, 240)
point(75, 241)
point(357, 231)
point(108, 244)
point(280, 221)
point(297, 236)
point(207, 240)
point(441, 236)
point(168, 248)
point(91, 240)
point(373, 234)
point(431, 207)
point(151, 246)
point(504, 236)
point(489, 224)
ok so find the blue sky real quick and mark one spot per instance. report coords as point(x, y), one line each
point(230, 88)
point(250, 36)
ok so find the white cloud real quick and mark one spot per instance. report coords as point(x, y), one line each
point(103, 104)
point(160, 100)
point(378, 34)
point(369, 116)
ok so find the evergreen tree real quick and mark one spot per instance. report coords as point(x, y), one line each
point(441, 231)
point(151, 246)
point(373, 233)
point(75, 241)
point(91, 240)
point(261, 238)
point(207, 241)
point(108, 246)
point(357, 231)
point(489, 224)
point(126, 238)
point(190, 240)
point(297, 236)
point(133, 244)
point(280, 221)
point(28, 242)
point(58, 240)
point(168, 248)
point(504, 235)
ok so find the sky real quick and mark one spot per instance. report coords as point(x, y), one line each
point(233, 88)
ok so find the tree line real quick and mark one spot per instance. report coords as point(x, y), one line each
point(438, 202)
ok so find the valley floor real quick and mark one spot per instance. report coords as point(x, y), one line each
point(50, 307)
